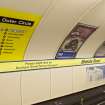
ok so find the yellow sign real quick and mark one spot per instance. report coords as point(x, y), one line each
point(47, 64)
point(16, 29)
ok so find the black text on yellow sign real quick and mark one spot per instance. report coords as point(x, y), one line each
point(47, 64)
point(16, 29)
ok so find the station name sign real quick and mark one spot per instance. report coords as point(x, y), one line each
point(15, 21)
point(47, 64)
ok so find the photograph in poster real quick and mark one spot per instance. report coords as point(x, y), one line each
point(95, 73)
point(74, 41)
point(101, 51)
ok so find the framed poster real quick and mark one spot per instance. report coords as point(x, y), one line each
point(74, 41)
point(96, 73)
point(100, 51)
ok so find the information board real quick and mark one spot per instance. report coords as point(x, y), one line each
point(16, 29)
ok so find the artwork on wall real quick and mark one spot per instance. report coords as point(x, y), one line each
point(96, 73)
point(74, 41)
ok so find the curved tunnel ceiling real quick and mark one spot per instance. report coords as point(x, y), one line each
point(56, 25)
point(32, 6)
point(59, 17)
point(84, 39)
point(95, 17)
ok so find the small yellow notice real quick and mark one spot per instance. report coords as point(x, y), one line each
point(16, 29)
